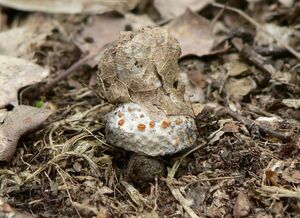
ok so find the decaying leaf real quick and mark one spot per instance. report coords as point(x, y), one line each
point(231, 127)
point(138, 21)
point(134, 194)
point(269, 122)
point(14, 74)
point(16, 123)
point(193, 33)
point(197, 108)
point(293, 103)
point(142, 66)
point(242, 206)
point(235, 68)
point(26, 38)
point(287, 3)
point(99, 32)
point(238, 88)
point(193, 93)
point(71, 6)
point(283, 171)
point(169, 9)
point(288, 35)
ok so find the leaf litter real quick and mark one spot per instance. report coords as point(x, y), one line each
point(246, 158)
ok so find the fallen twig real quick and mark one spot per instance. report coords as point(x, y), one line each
point(273, 52)
point(32, 90)
point(70, 70)
point(248, 53)
point(252, 125)
point(279, 192)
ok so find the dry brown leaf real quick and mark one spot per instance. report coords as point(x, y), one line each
point(231, 127)
point(138, 21)
point(269, 122)
point(16, 73)
point(287, 3)
point(169, 8)
point(288, 35)
point(142, 66)
point(101, 33)
point(71, 6)
point(26, 38)
point(193, 93)
point(193, 33)
point(288, 171)
point(242, 206)
point(197, 108)
point(16, 123)
point(236, 68)
point(293, 103)
point(134, 194)
point(238, 88)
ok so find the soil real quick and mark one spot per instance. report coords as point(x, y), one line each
point(242, 165)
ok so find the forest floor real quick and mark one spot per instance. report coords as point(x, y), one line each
point(240, 63)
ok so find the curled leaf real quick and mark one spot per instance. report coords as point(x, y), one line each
point(142, 67)
point(16, 123)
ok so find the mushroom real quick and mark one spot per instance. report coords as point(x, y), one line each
point(139, 74)
point(132, 127)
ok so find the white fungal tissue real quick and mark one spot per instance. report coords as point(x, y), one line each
point(131, 127)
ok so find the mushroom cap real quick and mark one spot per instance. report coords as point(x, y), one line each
point(134, 128)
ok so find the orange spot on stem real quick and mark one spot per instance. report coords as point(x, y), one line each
point(121, 122)
point(166, 124)
point(152, 124)
point(141, 127)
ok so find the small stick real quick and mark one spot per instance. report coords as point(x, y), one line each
point(70, 70)
point(251, 124)
point(274, 52)
point(255, 58)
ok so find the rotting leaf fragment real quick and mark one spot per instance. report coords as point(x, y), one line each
point(16, 123)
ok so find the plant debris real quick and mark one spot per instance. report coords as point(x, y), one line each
point(16, 74)
point(237, 79)
point(71, 7)
point(193, 33)
point(16, 123)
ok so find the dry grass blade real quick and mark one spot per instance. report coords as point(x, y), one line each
point(176, 192)
point(63, 156)
point(134, 194)
point(279, 192)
